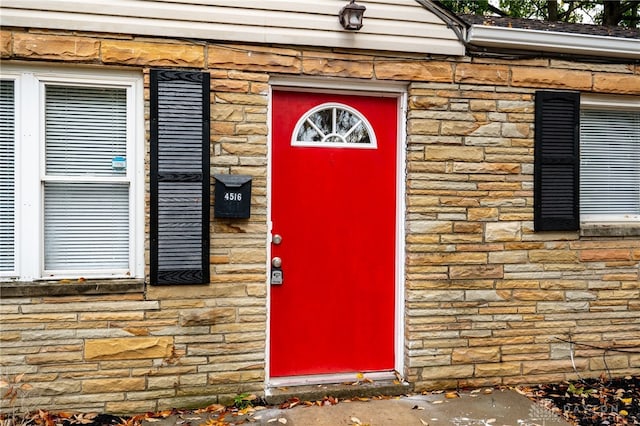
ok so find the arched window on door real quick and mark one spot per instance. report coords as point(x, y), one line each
point(333, 125)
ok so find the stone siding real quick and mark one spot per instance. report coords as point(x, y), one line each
point(488, 301)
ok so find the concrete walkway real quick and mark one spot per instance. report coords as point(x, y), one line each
point(476, 408)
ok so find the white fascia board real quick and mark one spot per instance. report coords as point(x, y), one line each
point(553, 41)
point(330, 34)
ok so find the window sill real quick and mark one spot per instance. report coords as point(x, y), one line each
point(609, 229)
point(73, 288)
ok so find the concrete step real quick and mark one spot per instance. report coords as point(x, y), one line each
point(346, 390)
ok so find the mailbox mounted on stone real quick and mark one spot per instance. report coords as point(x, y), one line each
point(232, 196)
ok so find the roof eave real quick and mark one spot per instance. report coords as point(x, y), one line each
point(553, 42)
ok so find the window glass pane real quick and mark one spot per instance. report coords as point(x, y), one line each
point(86, 226)
point(323, 120)
point(610, 162)
point(309, 133)
point(358, 134)
point(345, 121)
point(7, 176)
point(85, 131)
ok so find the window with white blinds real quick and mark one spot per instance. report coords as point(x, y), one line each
point(610, 165)
point(7, 177)
point(86, 199)
point(72, 141)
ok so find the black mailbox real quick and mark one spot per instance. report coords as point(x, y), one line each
point(232, 196)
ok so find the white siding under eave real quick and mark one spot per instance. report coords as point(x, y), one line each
point(394, 25)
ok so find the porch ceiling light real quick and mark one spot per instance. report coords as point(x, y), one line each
point(351, 16)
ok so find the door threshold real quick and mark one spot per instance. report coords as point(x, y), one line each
point(342, 386)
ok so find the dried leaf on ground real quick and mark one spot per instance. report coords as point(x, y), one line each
point(290, 403)
point(591, 402)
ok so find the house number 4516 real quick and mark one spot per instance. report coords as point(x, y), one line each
point(233, 196)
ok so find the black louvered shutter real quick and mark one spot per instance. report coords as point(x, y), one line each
point(557, 161)
point(179, 204)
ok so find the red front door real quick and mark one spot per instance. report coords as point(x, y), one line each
point(333, 204)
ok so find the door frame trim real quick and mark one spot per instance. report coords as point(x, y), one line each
point(363, 88)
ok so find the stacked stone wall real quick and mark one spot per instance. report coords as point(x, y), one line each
point(488, 301)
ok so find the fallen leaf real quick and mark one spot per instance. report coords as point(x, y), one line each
point(282, 420)
point(359, 376)
point(166, 413)
point(355, 420)
point(291, 402)
point(438, 402)
point(83, 419)
point(214, 408)
point(424, 423)
point(451, 395)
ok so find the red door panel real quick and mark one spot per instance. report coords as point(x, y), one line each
point(335, 209)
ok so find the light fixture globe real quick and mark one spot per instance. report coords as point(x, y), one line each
point(351, 16)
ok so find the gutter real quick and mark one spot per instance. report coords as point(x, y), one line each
point(552, 42)
point(457, 25)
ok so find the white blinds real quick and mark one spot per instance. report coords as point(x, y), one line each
point(610, 162)
point(86, 226)
point(86, 221)
point(85, 130)
point(7, 176)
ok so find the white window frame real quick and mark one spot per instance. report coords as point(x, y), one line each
point(29, 86)
point(610, 103)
